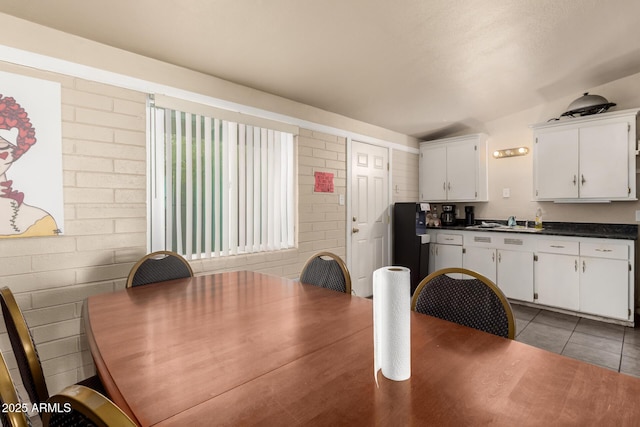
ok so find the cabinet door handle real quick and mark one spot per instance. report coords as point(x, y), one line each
point(449, 186)
point(493, 257)
point(582, 180)
point(576, 265)
point(575, 180)
point(557, 246)
point(584, 265)
point(499, 257)
point(444, 185)
point(604, 250)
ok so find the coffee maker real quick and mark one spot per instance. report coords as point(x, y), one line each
point(469, 216)
point(448, 215)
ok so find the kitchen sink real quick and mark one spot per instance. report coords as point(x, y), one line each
point(502, 227)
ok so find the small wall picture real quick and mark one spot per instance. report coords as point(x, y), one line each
point(31, 202)
point(323, 182)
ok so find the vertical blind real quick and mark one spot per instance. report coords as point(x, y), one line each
point(220, 187)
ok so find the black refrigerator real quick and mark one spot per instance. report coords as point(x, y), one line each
point(408, 249)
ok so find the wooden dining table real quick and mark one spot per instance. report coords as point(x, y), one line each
point(245, 348)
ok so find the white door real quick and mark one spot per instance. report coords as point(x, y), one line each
point(370, 214)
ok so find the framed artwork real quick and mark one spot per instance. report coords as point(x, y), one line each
point(323, 182)
point(31, 202)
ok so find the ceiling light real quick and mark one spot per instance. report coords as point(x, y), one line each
point(511, 152)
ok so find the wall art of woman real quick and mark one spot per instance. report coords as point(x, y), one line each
point(17, 136)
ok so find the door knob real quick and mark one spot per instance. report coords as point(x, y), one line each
point(355, 230)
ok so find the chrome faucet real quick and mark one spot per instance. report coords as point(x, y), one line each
point(511, 222)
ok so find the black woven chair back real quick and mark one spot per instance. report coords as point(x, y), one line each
point(159, 267)
point(476, 303)
point(9, 400)
point(327, 270)
point(82, 406)
point(24, 348)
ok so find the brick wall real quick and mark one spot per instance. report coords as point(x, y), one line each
point(405, 176)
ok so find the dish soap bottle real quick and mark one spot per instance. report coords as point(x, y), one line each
point(538, 225)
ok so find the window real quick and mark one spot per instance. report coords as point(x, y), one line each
point(219, 187)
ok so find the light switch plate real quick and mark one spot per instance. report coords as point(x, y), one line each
point(506, 192)
point(341, 199)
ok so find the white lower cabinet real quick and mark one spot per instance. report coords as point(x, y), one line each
point(557, 280)
point(515, 274)
point(481, 260)
point(511, 271)
point(447, 252)
point(604, 287)
point(591, 276)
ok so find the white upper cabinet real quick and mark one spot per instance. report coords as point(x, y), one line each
point(454, 169)
point(588, 159)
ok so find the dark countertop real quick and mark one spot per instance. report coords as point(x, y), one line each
point(574, 229)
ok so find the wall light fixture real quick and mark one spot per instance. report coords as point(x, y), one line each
point(511, 152)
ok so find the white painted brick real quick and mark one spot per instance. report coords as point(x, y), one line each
point(43, 316)
point(133, 167)
point(84, 99)
point(38, 281)
point(111, 91)
point(58, 348)
point(111, 151)
point(55, 331)
point(105, 211)
point(72, 131)
point(58, 365)
point(56, 383)
point(110, 120)
point(137, 138)
point(110, 180)
point(49, 262)
point(113, 241)
point(130, 195)
point(35, 245)
point(133, 108)
point(15, 265)
point(69, 294)
point(88, 195)
point(101, 273)
point(83, 227)
point(134, 225)
point(86, 163)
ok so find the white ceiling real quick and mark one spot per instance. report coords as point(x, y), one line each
point(420, 67)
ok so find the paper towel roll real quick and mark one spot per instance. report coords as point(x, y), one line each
point(392, 323)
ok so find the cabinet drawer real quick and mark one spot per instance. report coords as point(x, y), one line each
point(558, 247)
point(604, 250)
point(449, 239)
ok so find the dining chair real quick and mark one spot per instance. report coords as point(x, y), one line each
point(327, 270)
point(11, 413)
point(475, 302)
point(81, 406)
point(26, 354)
point(159, 266)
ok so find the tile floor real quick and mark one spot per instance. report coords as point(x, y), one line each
point(611, 346)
